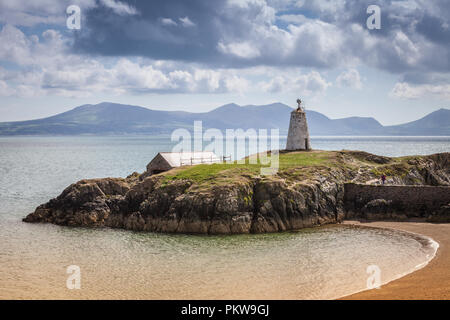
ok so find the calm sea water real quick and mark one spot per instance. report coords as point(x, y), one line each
point(318, 263)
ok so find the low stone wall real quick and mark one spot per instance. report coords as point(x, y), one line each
point(394, 202)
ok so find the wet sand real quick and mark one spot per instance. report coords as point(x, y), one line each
point(430, 282)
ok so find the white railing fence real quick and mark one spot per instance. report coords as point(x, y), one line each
point(211, 159)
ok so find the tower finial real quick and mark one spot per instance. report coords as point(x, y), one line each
point(299, 102)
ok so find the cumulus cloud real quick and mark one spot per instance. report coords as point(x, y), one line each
point(244, 33)
point(242, 50)
point(29, 50)
point(350, 79)
point(204, 37)
point(5, 89)
point(51, 12)
point(168, 22)
point(309, 84)
point(403, 90)
point(67, 74)
point(293, 18)
point(119, 7)
point(186, 22)
point(31, 13)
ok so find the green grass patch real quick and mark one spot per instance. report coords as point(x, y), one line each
point(306, 159)
point(231, 170)
point(395, 170)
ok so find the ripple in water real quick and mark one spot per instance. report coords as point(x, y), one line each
point(321, 263)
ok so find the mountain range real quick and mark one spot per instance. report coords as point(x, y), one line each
point(112, 118)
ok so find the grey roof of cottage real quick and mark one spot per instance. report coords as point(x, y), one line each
point(177, 159)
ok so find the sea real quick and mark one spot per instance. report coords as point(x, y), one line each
point(37, 261)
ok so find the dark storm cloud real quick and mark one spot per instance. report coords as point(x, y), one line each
point(219, 34)
point(414, 35)
point(421, 18)
point(435, 29)
point(147, 33)
point(426, 78)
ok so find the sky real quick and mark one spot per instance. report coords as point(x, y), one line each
point(197, 55)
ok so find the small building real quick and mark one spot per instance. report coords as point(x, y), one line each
point(164, 161)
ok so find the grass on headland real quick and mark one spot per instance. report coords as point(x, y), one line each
point(297, 166)
point(400, 169)
point(210, 172)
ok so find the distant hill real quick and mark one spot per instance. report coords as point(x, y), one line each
point(436, 123)
point(112, 118)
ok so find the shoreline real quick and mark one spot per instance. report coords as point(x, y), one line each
point(428, 281)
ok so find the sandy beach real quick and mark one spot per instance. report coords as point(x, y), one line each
point(430, 282)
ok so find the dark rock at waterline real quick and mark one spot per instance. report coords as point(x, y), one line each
point(297, 197)
point(440, 215)
point(381, 209)
point(247, 207)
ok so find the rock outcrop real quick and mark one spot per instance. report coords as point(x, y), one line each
point(442, 215)
point(299, 196)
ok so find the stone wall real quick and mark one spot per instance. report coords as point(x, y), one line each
point(376, 201)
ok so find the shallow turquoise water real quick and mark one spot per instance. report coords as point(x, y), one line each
point(319, 263)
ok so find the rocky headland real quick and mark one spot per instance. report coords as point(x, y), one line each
point(308, 190)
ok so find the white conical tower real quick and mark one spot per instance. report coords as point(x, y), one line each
point(298, 136)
